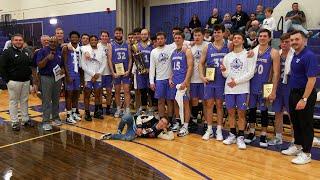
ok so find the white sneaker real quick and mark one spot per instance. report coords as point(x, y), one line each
point(183, 132)
point(219, 136)
point(76, 117)
point(291, 151)
point(117, 113)
point(70, 120)
point(301, 159)
point(207, 135)
point(175, 127)
point(240, 143)
point(231, 139)
point(275, 141)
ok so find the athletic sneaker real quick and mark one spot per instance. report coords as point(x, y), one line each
point(251, 137)
point(46, 127)
point(88, 117)
point(231, 139)
point(139, 111)
point(207, 135)
point(219, 136)
point(106, 136)
point(70, 120)
point(292, 151)
point(98, 114)
point(316, 141)
point(183, 132)
point(15, 126)
point(175, 127)
point(28, 123)
point(240, 142)
point(57, 122)
point(302, 158)
point(263, 141)
point(275, 141)
point(76, 117)
point(117, 113)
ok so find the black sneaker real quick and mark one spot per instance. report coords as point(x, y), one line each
point(88, 117)
point(108, 112)
point(16, 126)
point(28, 123)
point(251, 137)
point(192, 126)
point(263, 141)
point(98, 115)
point(106, 136)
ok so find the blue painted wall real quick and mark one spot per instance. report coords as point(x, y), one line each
point(91, 23)
point(164, 18)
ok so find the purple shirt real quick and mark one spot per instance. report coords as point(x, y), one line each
point(48, 69)
point(303, 65)
point(179, 66)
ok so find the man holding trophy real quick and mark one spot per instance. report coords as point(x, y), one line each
point(120, 65)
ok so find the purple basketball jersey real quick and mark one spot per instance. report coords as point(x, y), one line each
point(179, 66)
point(262, 72)
point(146, 53)
point(120, 54)
point(214, 59)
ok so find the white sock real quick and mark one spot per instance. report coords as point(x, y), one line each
point(263, 133)
point(127, 109)
point(209, 128)
point(118, 108)
point(219, 127)
point(185, 125)
point(279, 135)
point(252, 130)
point(74, 110)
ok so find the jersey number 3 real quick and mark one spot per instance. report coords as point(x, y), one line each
point(121, 55)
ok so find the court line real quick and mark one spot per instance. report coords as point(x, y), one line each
point(156, 150)
point(31, 139)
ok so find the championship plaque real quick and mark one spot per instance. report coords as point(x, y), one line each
point(267, 89)
point(119, 69)
point(210, 73)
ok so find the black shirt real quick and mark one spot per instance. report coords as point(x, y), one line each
point(214, 20)
point(240, 20)
point(15, 64)
point(149, 129)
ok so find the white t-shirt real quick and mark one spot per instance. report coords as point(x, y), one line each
point(270, 24)
point(96, 63)
point(196, 53)
point(185, 43)
point(106, 70)
point(241, 69)
point(160, 63)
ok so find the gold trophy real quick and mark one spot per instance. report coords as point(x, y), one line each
point(267, 89)
point(138, 58)
point(210, 73)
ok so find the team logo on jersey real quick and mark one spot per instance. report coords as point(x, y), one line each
point(197, 54)
point(163, 57)
point(236, 65)
point(298, 60)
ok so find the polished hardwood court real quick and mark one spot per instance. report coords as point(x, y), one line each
point(74, 152)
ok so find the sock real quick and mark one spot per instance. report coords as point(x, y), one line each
point(233, 131)
point(74, 110)
point(100, 106)
point(241, 133)
point(118, 108)
point(69, 113)
point(194, 111)
point(96, 107)
point(279, 135)
point(178, 120)
point(185, 125)
point(263, 133)
point(170, 119)
point(219, 127)
point(209, 128)
point(252, 130)
point(87, 112)
point(127, 109)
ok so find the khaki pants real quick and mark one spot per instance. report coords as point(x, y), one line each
point(18, 93)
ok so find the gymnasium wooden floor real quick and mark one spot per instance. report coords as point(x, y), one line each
point(74, 152)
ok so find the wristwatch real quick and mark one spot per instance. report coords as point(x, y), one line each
point(304, 99)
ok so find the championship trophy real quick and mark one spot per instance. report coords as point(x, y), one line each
point(138, 58)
